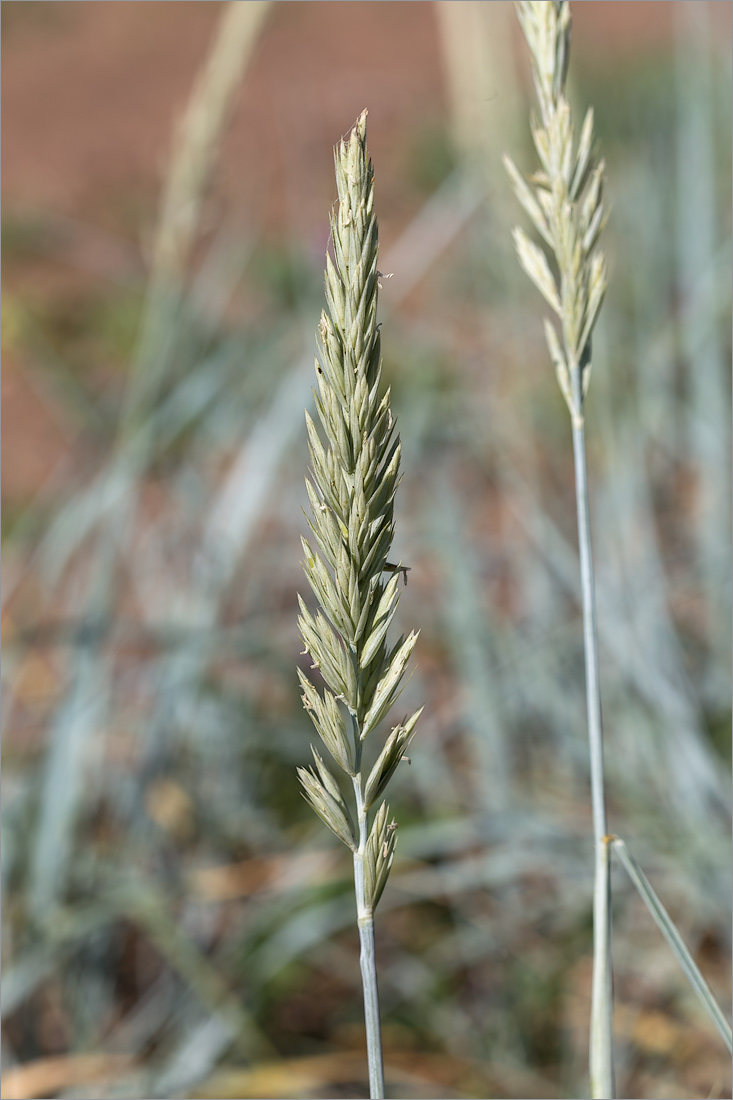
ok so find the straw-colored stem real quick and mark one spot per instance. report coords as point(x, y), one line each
point(601, 1030)
point(367, 957)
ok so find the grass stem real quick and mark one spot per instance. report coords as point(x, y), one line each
point(367, 956)
point(368, 962)
point(601, 1028)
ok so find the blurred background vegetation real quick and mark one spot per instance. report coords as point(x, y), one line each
point(176, 921)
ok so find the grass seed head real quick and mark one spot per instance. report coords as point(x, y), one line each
point(355, 470)
point(564, 202)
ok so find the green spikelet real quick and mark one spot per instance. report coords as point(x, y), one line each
point(355, 464)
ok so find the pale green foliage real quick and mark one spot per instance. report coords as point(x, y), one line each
point(564, 201)
point(354, 478)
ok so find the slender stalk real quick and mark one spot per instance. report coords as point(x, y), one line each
point(601, 1045)
point(368, 963)
point(601, 1031)
point(367, 954)
point(565, 203)
point(590, 631)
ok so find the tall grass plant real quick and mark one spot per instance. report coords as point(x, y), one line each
point(198, 936)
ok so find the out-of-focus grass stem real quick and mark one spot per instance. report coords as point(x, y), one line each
point(195, 149)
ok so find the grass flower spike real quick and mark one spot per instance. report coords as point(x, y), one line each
point(564, 201)
point(355, 474)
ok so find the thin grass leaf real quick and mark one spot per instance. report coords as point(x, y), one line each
point(667, 927)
